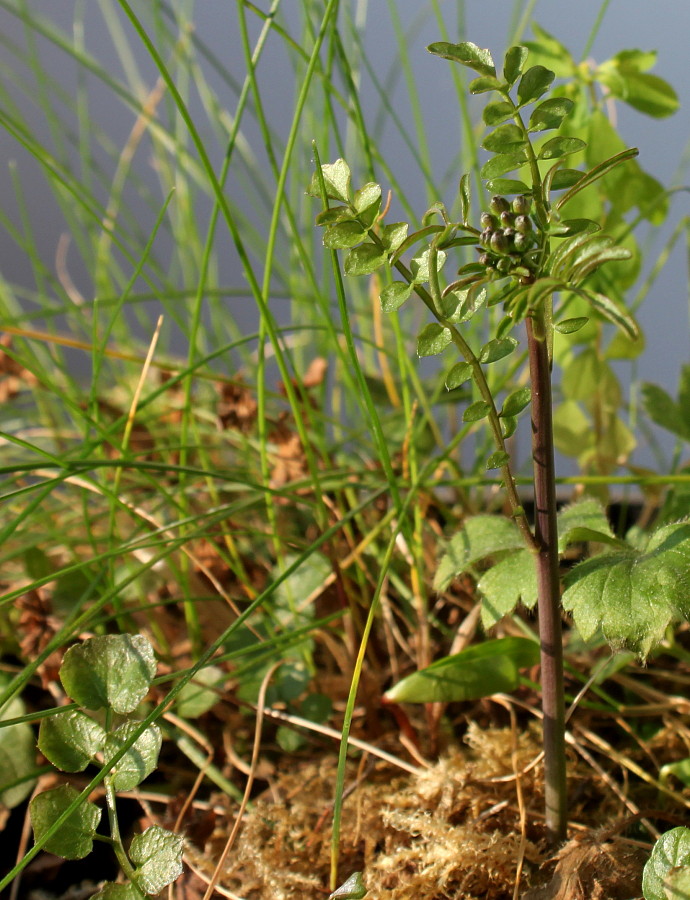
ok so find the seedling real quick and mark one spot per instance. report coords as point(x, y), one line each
point(535, 264)
point(112, 675)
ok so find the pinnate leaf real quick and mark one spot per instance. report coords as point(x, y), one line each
point(516, 402)
point(482, 537)
point(157, 855)
point(503, 586)
point(632, 595)
point(481, 670)
point(549, 114)
point(485, 83)
point(393, 235)
point(343, 235)
point(497, 460)
point(475, 412)
point(496, 349)
point(112, 670)
point(70, 740)
point(74, 838)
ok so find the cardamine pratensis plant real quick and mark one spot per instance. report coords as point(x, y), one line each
point(534, 262)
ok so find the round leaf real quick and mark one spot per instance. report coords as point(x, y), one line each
point(343, 235)
point(140, 759)
point(459, 374)
point(671, 851)
point(505, 137)
point(157, 854)
point(497, 112)
point(534, 83)
point(394, 295)
point(549, 114)
point(112, 670)
point(516, 402)
point(198, 695)
point(74, 839)
point(433, 339)
point(364, 260)
point(476, 411)
point(485, 669)
point(70, 740)
point(497, 349)
point(17, 754)
point(497, 460)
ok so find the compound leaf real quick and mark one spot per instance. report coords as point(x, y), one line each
point(514, 63)
point(459, 374)
point(394, 295)
point(561, 146)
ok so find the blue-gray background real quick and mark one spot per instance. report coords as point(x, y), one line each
point(663, 25)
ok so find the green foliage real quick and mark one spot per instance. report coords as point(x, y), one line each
point(479, 671)
point(670, 414)
point(667, 871)
point(17, 762)
point(115, 672)
point(351, 889)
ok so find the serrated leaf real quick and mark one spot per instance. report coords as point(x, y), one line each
point(671, 851)
point(140, 759)
point(549, 114)
point(475, 412)
point(467, 54)
point(351, 889)
point(514, 63)
point(561, 146)
point(343, 235)
point(516, 402)
point(433, 339)
point(504, 162)
point(337, 180)
point(393, 235)
point(570, 326)
point(505, 137)
point(664, 411)
point(505, 186)
point(157, 855)
point(70, 740)
point(394, 295)
point(364, 260)
point(112, 670)
point(497, 460)
point(505, 584)
point(74, 838)
point(585, 514)
point(497, 349)
point(535, 82)
point(482, 537)
point(458, 375)
point(481, 670)
point(633, 596)
point(497, 112)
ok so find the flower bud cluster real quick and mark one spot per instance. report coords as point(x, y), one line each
point(507, 236)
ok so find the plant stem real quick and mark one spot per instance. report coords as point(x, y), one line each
point(548, 582)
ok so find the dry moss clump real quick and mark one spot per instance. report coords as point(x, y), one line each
point(452, 831)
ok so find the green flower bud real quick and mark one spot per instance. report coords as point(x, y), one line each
point(523, 224)
point(499, 205)
point(521, 242)
point(499, 242)
point(485, 237)
point(509, 234)
point(522, 205)
point(485, 259)
point(506, 219)
point(486, 220)
point(503, 265)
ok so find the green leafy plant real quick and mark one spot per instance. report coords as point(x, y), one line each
point(666, 874)
point(541, 264)
point(107, 678)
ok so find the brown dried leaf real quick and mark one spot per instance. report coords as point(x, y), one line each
point(236, 407)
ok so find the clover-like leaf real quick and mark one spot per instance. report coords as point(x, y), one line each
point(70, 740)
point(140, 759)
point(481, 670)
point(157, 855)
point(74, 838)
point(112, 670)
point(632, 595)
point(535, 82)
point(671, 851)
point(433, 339)
point(365, 259)
point(467, 54)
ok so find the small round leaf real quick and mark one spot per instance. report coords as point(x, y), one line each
point(157, 854)
point(433, 339)
point(70, 740)
point(516, 402)
point(497, 459)
point(671, 851)
point(459, 374)
point(140, 759)
point(394, 295)
point(112, 670)
point(497, 349)
point(476, 411)
point(74, 839)
point(364, 260)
